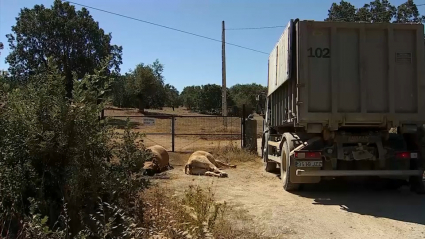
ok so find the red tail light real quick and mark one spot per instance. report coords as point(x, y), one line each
point(308, 155)
point(404, 155)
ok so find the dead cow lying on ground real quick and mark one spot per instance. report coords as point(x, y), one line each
point(203, 163)
point(160, 161)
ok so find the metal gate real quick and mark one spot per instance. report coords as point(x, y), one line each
point(184, 133)
point(193, 133)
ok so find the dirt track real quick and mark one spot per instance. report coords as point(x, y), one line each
point(321, 211)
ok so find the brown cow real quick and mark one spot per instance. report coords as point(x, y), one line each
point(160, 161)
point(203, 163)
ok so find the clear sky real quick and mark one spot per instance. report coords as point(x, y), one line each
point(190, 60)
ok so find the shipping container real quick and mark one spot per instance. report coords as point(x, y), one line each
point(346, 99)
point(348, 74)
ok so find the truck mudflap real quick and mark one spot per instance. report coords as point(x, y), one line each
point(344, 173)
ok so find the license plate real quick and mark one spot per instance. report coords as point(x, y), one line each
point(306, 164)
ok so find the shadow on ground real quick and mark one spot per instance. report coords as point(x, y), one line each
point(122, 123)
point(366, 199)
point(118, 109)
point(150, 113)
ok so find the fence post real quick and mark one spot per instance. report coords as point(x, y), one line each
point(251, 135)
point(172, 133)
point(243, 126)
point(241, 132)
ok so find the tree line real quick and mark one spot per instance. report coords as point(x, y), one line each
point(378, 11)
point(208, 98)
point(144, 88)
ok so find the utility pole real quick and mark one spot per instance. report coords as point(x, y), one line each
point(223, 77)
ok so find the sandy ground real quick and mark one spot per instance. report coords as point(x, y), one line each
point(327, 210)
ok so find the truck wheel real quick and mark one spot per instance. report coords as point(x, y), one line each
point(269, 166)
point(285, 170)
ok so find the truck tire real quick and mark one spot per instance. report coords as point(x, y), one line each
point(270, 167)
point(285, 169)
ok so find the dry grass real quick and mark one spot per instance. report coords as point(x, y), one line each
point(195, 214)
point(231, 153)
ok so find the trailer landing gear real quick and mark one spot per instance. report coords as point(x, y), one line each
point(269, 165)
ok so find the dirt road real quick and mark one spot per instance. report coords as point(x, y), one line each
point(320, 211)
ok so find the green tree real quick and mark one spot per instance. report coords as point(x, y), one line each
point(408, 12)
point(73, 39)
point(1, 47)
point(246, 95)
point(121, 95)
point(209, 97)
point(158, 98)
point(342, 12)
point(376, 11)
point(189, 96)
point(142, 88)
point(145, 83)
point(205, 98)
point(172, 96)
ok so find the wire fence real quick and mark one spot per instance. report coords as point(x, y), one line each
point(204, 133)
point(183, 133)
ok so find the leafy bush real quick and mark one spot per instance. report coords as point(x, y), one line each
point(56, 171)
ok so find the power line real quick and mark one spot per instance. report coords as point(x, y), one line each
point(201, 36)
point(170, 28)
point(252, 28)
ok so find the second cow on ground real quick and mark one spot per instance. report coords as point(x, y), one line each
point(203, 163)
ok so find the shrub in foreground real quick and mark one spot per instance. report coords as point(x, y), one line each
point(57, 179)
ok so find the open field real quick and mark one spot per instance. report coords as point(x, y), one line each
point(327, 210)
point(192, 130)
